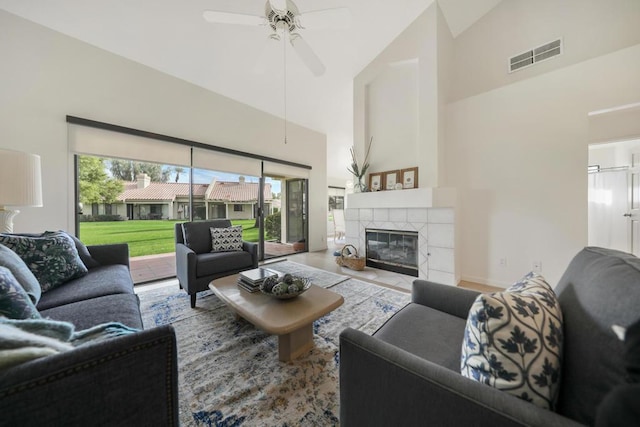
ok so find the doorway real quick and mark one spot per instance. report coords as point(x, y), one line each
point(285, 218)
point(614, 196)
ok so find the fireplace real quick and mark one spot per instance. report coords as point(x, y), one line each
point(392, 250)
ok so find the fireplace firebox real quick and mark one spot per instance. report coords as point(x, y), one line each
point(392, 250)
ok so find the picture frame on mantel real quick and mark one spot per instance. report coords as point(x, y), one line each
point(410, 178)
point(375, 181)
point(391, 178)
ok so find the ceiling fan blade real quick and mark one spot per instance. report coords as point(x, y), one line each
point(279, 6)
point(336, 19)
point(232, 18)
point(307, 54)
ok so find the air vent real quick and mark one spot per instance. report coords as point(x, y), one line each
point(535, 55)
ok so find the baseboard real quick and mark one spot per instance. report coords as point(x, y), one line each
point(485, 281)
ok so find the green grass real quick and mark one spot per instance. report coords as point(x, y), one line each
point(146, 237)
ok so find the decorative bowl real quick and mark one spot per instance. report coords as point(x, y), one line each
point(282, 285)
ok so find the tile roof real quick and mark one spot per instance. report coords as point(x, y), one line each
point(238, 191)
point(168, 191)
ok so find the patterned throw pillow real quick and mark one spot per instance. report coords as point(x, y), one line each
point(513, 341)
point(226, 239)
point(51, 257)
point(83, 252)
point(14, 301)
point(21, 272)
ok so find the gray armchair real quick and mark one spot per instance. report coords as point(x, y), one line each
point(197, 266)
point(408, 372)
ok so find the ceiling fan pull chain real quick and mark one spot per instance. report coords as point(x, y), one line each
point(284, 44)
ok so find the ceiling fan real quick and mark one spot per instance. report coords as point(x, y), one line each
point(283, 16)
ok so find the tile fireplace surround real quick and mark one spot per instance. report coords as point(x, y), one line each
point(430, 212)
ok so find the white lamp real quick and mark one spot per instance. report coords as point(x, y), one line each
point(20, 184)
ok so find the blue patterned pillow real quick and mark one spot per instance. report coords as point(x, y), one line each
point(51, 257)
point(513, 341)
point(21, 272)
point(225, 239)
point(14, 301)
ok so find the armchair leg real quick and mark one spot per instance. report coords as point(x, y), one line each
point(193, 300)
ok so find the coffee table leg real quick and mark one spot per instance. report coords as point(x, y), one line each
point(295, 343)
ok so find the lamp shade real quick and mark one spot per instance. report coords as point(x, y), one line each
point(20, 179)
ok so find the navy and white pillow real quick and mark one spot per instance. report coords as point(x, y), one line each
point(21, 272)
point(52, 257)
point(14, 301)
point(226, 239)
point(513, 341)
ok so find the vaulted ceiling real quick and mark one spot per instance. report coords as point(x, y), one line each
point(172, 37)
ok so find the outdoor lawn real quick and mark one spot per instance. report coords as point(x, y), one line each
point(146, 237)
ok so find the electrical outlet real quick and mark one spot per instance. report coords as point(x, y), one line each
point(503, 262)
point(537, 266)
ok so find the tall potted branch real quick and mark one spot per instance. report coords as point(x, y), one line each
point(359, 170)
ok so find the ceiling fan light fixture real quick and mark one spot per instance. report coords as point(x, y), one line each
point(284, 16)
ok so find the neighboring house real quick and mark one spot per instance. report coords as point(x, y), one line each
point(168, 200)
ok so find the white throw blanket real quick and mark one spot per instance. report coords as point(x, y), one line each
point(25, 340)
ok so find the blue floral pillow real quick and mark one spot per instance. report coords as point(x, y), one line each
point(51, 257)
point(21, 272)
point(14, 301)
point(513, 341)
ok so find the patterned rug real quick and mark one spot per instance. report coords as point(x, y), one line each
point(229, 372)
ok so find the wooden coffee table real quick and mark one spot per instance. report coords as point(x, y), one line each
point(291, 320)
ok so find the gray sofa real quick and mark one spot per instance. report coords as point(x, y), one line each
point(129, 380)
point(408, 372)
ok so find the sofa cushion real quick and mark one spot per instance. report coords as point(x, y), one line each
point(122, 308)
point(513, 341)
point(599, 288)
point(632, 352)
point(225, 239)
point(103, 280)
point(14, 301)
point(21, 272)
point(426, 333)
point(620, 405)
point(219, 262)
point(51, 257)
point(197, 236)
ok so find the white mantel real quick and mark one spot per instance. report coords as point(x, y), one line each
point(411, 198)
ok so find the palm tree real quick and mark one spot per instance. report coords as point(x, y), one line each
point(178, 170)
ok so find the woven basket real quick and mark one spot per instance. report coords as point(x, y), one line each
point(354, 263)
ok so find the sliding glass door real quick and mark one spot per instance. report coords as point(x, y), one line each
point(296, 210)
point(129, 178)
point(285, 218)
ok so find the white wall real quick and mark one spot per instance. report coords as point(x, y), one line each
point(417, 44)
point(518, 156)
point(392, 116)
point(590, 28)
point(46, 76)
point(515, 145)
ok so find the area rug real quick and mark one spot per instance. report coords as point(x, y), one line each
point(322, 278)
point(229, 372)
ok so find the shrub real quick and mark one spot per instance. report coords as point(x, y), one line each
point(100, 218)
point(272, 226)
